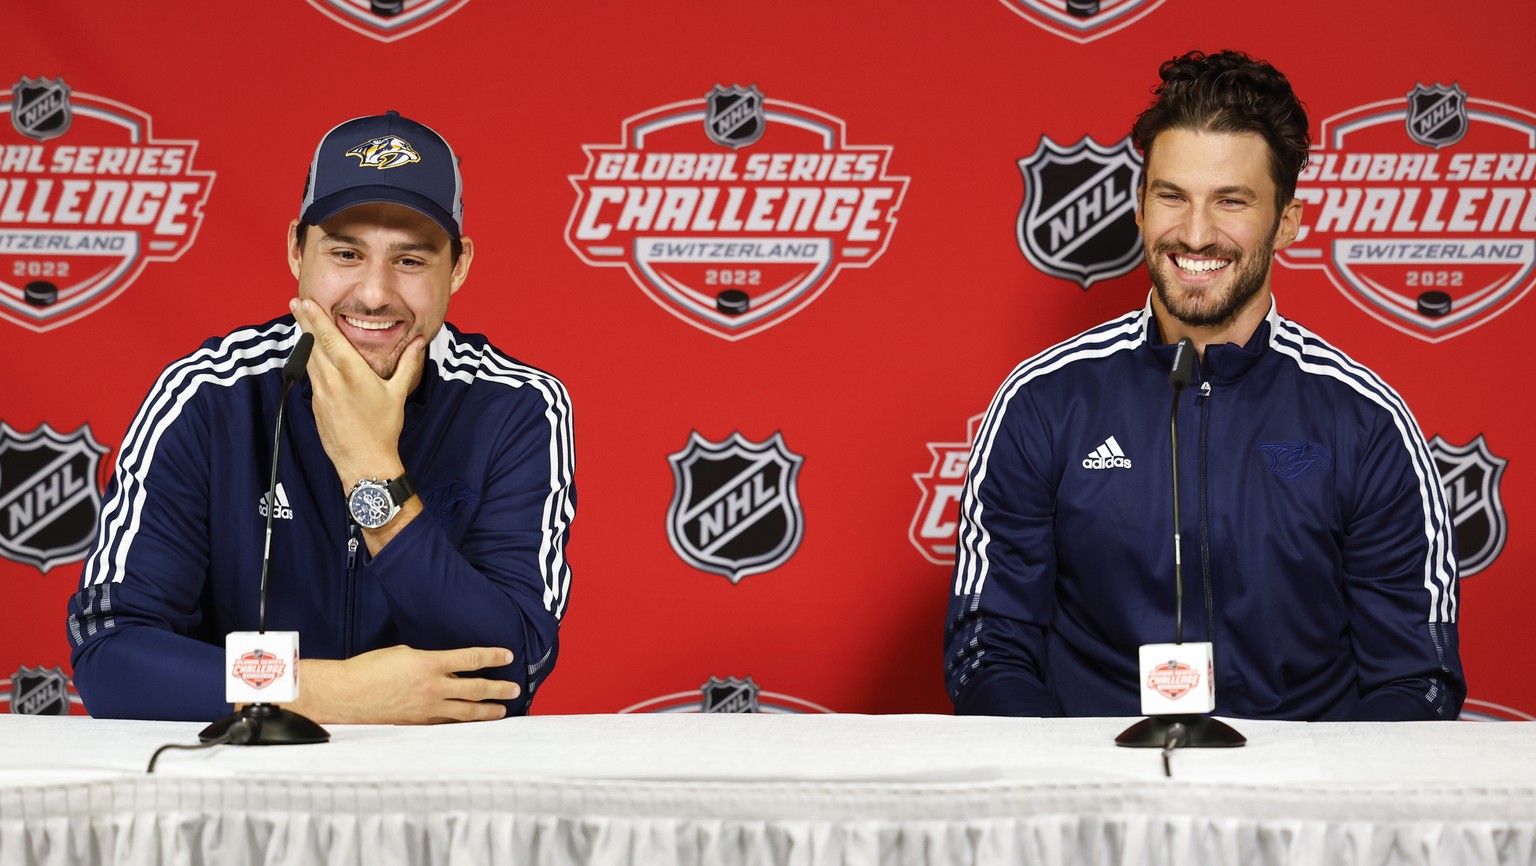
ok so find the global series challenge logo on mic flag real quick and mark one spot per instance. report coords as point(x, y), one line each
point(735, 211)
point(88, 195)
point(1421, 209)
point(1173, 679)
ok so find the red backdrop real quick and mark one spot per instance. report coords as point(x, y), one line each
point(145, 209)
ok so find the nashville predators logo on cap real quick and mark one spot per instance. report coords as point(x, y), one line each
point(388, 151)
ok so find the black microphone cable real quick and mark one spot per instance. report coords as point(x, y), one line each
point(239, 733)
point(1176, 737)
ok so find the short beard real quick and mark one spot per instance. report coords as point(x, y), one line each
point(1248, 277)
point(385, 367)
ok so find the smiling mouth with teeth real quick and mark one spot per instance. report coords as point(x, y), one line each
point(369, 326)
point(1200, 266)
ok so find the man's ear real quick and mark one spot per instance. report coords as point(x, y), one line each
point(295, 255)
point(461, 267)
point(1290, 224)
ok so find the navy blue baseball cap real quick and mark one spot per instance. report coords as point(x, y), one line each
point(385, 158)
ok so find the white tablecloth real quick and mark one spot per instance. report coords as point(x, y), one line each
point(769, 789)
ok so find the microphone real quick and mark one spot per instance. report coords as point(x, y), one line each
point(1179, 378)
point(1173, 672)
point(252, 662)
point(293, 370)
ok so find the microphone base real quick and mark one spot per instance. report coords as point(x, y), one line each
point(1201, 732)
point(272, 726)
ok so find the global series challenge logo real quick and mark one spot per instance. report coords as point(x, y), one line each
point(1082, 20)
point(1422, 210)
point(733, 212)
point(258, 668)
point(1487, 711)
point(935, 524)
point(1078, 220)
point(88, 196)
point(387, 20)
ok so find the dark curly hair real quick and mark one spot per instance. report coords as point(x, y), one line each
point(1229, 92)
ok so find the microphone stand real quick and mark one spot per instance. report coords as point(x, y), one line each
point(1183, 730)
point(271, 725)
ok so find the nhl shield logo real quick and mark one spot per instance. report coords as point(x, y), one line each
point(41, 108)
point(1437, 116)
point(40, 692)
point(729, 695)
point(1078, 220)
point(735, 508)
point(49, 497)
point(1082, 20)
point(1471, 475)
point(734, 116)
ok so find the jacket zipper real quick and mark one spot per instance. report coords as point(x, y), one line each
point(1205, 529)
point(346, 637)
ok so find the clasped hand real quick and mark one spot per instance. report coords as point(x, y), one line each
point(400, 685)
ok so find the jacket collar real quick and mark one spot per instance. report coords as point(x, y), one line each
point(1222, 363)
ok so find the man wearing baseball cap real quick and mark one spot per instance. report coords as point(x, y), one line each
point(423, 497)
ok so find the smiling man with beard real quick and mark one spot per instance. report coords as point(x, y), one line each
point(423, 499)
point(1316, 541)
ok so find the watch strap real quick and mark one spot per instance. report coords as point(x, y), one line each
point(400, 489)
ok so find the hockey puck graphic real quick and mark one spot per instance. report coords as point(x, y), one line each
point(733, 302)
point(41, 293)
point(1083, 8)
point(1434, 304)
point(387, 8)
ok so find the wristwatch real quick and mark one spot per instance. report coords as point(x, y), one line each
point(374, 503)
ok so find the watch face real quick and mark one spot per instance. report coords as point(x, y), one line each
point(370, 506)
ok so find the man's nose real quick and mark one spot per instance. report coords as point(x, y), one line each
point(1197, 230)
point(376, 284)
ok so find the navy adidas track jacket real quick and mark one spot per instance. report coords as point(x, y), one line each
point(1317, 548)
point(176, 563)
